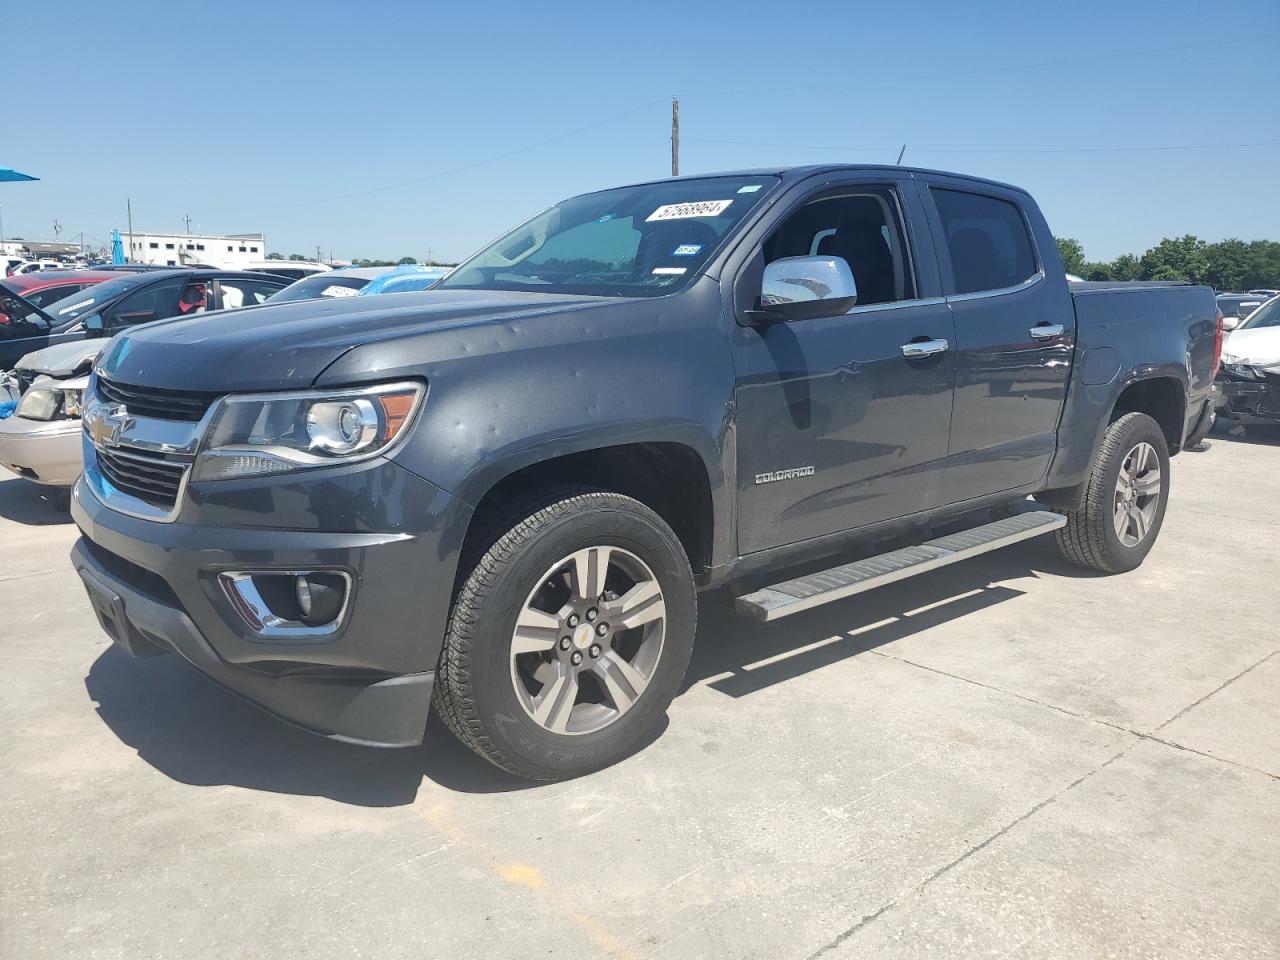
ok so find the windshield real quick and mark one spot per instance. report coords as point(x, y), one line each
point(1267, 315)
point(320, 285)
point(86, 301)
point(643, 241)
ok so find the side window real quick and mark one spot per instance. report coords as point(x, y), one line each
point(864, 226)
point(42, 298)
point(159, 301)
point(246, 293)
point(987, 240)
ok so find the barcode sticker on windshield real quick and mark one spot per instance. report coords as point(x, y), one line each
point(669, 271)
point(683, 211)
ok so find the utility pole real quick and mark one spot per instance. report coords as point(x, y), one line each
point(187, 220)
point(318, 260)
point(129, 206)
point(675, 136)
point(57, 230)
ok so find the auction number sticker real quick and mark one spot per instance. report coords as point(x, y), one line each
point(683, 211)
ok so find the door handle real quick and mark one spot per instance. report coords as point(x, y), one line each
point(919, 349)
point(1046, 331)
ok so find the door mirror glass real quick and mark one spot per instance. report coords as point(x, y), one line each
point(1230, 323)
point(794, 288)
point(93, 325)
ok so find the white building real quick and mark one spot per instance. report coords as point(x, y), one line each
point(230, 251)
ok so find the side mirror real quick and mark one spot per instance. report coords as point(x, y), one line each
point(93, 325)
point(1230, 323)
point(797, 288)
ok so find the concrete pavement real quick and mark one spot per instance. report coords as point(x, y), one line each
point(1006, 758)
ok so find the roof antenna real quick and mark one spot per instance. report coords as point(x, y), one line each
point(900, 153)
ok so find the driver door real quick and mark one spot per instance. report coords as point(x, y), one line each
point(837, 427)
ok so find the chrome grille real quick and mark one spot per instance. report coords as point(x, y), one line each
point(148, 477)
point(162, 404)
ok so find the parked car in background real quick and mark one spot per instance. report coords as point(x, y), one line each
point(506, 493)
point(405, 278)
point(1236, 306)
point(127, 299)
point(9, 263)
point(293, 269)
point(47, 286)
point(336, 283)
point(40, 422)
point(1247, 388)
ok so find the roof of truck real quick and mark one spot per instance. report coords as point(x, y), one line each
point(801, 172)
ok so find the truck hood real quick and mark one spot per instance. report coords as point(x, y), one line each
point(62, 359)
point(288, 345)
point(1255, 348)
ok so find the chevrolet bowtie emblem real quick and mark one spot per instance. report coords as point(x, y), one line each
point(105, 424)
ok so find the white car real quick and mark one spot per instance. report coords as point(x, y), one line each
point(40, 436)
point(1247, 388)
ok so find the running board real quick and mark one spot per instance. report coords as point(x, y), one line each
point(804, 593)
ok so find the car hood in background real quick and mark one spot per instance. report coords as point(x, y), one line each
point(1258, 348)
point(288, 345)
point(62, 359)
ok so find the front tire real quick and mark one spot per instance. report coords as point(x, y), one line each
point(1125, 498)
point(569, 636)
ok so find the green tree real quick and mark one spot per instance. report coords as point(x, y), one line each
point(1125, 267)
point(405, 260)
point(1072, 254)
point(296, 256)
point(275, 256)
point(1183, 258)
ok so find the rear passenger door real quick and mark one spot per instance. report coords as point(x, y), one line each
point(1014, 329)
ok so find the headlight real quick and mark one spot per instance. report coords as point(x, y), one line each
point(1242, 370)
point(262, 434)
point(39, 403)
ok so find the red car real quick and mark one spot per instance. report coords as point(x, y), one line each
point(48, 286)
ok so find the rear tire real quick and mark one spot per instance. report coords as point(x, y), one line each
point(1125, 498)
point(569, 636)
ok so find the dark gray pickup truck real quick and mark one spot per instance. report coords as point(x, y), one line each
point(501, 495)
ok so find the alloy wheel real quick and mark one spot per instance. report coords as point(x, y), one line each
point(1137, 496)
point(588, 640)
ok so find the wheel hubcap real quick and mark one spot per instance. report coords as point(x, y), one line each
point(588, 640)
point(1137, 494)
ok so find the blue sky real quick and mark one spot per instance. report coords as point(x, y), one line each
point(385, 129)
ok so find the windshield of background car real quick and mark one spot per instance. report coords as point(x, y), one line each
point(17, 316)
point(1267, 315)
point(319, 285)
point(87, 301)
point(644, 241)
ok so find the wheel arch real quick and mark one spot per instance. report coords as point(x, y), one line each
point(1163, 398)
point(670, 477)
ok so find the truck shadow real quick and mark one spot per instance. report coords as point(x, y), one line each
point(30, 503)
point(737, 656)
point(197, 733)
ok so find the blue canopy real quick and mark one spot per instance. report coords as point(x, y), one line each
point(7, 174)
point(117, 247)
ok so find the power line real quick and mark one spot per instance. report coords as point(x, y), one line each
point(480, 163)
point(865, 147)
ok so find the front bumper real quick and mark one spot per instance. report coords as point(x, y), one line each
point(155, 589)
point(40, 450)
point(1247, 401)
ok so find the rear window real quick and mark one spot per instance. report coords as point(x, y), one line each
point(987, 239)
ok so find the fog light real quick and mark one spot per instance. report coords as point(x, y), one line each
point(288, 604)
point(319, 597)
